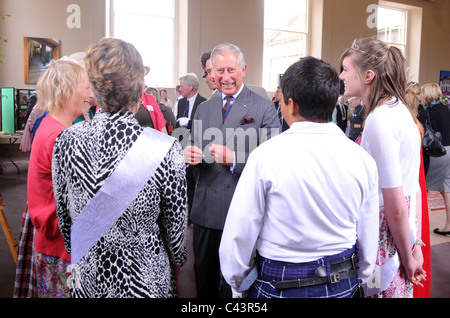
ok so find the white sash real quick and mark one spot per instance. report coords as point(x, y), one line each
point(119, 191)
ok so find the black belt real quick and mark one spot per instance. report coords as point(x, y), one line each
point(322, 278)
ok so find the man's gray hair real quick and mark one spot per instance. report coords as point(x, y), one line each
point(190, 79)
point(223, 48)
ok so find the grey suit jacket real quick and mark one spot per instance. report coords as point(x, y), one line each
point(241, 132)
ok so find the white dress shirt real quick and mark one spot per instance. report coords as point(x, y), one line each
point(303, 195)
point(191, 104)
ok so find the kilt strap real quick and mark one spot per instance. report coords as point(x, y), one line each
point(338, 271)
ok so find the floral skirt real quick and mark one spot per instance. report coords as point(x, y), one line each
point(51, 276)
point(400, 287)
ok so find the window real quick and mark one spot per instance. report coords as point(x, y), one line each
point(392, 27)
point(285, 37)
point(135, 21)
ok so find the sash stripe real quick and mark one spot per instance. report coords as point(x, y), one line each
point(119, 191)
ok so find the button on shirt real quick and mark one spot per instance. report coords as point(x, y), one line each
point(303, 195)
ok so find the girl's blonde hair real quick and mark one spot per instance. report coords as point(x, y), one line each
point(413, 92)
point(58, 83)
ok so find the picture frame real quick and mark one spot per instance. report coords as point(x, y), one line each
point(444, 82)
point(38, 52)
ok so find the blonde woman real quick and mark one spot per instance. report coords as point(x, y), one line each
point(63, 91)
point(413, 98)
point(376, 72)
point(438, 175)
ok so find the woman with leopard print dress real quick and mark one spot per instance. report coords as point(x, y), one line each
point(120, 189)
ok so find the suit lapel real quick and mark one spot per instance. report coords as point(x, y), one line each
point(196, 103)
point(214, 112)
point(181, 107)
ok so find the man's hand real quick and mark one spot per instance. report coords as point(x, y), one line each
point(193, 155)
point(223, 155)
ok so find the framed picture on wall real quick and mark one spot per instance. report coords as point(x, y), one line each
point(444, 82)
point(38, 52)
point(22, 112)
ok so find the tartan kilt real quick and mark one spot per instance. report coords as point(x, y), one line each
point(275, 271)
point(25, 281)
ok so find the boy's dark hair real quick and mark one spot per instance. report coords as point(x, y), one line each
point(313, 85)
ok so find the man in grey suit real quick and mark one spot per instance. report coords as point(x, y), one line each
point(226, 128)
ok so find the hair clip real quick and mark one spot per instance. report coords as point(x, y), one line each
point(410, 85)
point(356, 48)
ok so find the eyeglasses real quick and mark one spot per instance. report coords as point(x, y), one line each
point(356, 48)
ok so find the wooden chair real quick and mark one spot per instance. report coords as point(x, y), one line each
point(13, 246)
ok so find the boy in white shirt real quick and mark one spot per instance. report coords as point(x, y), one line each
point(307, 199)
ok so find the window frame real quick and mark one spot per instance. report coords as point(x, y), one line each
point(415, 16)
point(266, 80)
point(406, 19)
point(110, 32)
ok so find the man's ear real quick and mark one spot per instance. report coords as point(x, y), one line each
point(293, 108)
point(244, 70)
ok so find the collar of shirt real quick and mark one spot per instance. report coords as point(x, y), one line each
point(310, 127)
point(192, 100)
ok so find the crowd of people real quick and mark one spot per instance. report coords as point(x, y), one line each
point(299, 196)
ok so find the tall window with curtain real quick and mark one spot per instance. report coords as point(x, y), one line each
point(150, 26)
point(285, 37)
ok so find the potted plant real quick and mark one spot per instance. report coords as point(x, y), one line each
point(3, 18)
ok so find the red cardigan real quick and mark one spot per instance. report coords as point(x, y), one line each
point(41, 201)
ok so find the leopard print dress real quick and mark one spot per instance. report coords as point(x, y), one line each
point(135, 257)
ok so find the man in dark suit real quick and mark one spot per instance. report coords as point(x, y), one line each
point(187, 107)
point(357, 119)
point(226, 128)
point(277, 103)
point(190, 101)
point(341, 114)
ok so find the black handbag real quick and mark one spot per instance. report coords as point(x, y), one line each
point(432, 141)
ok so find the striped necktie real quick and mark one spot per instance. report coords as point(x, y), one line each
point(186, 111)
point(280, 114)
point(226, 108)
